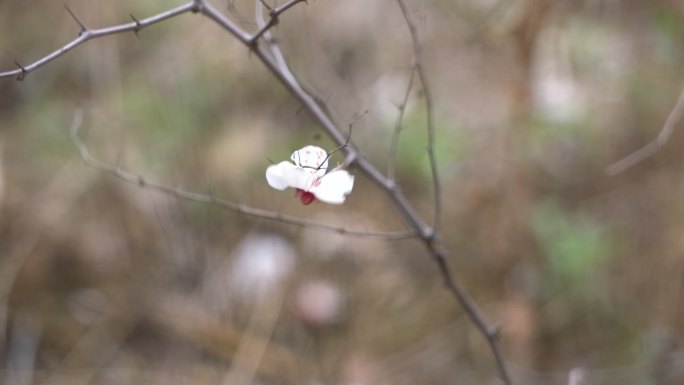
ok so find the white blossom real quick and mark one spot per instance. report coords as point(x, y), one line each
point(307, 174)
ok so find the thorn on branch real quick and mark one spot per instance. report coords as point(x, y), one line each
point(263, 2)
point(138, 26)
point(21, 75)
point(78, 21)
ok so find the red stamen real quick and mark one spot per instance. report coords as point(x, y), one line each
point(304, 196)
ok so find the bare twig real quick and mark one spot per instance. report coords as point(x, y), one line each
point(212, 200)
point(656, 144)
point(418, 52)
point(398, 127)
point(329, 153)
point(88, 34)
point(346, 143)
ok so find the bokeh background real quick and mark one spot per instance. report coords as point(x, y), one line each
point(106, 283)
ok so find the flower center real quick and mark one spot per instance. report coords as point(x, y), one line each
point(304, 196)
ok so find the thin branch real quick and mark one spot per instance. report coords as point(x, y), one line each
point(418, 52)
point(346, 143)
point(212, 200)
point(655, 145)
point(398, 127)
point(88, 34)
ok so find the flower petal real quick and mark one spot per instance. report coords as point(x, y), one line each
point(312, 158)
point(334, 187)
point(285, 174)
point(276, 175)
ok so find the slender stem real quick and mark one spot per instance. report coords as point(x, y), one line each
point(491, 334)
point(391, 161)
point(418, 52)
point(655, 145)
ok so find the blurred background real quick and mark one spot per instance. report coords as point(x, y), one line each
point(102, 282)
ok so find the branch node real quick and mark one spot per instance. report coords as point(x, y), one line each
point(77, 20)
point(21, 75)
point(429, 236)
point(494, 331)
point(141, 181)
point(198, 6)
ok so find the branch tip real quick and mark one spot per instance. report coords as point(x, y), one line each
point(263, 2)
